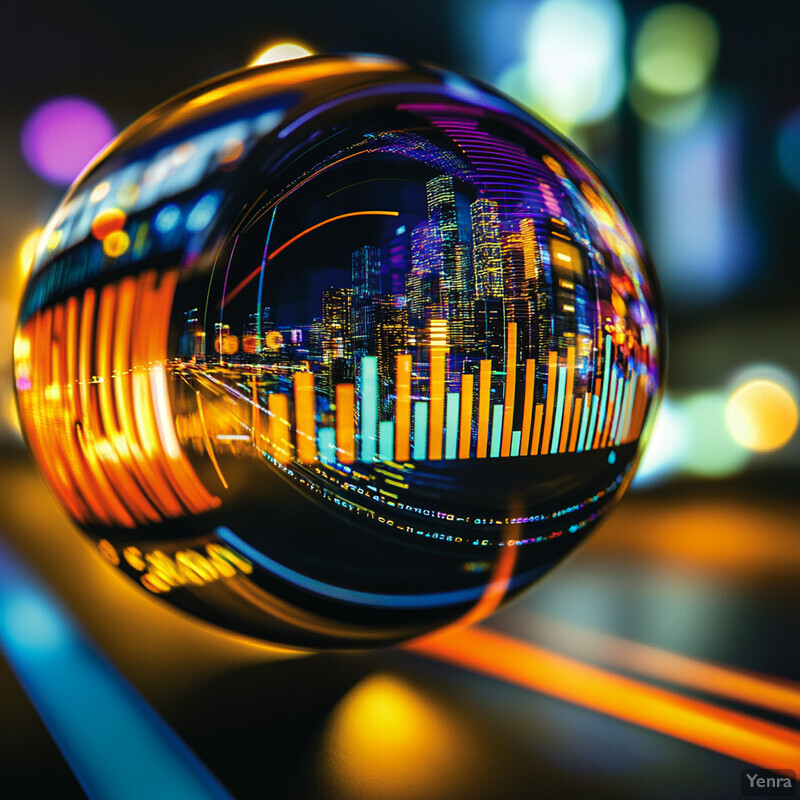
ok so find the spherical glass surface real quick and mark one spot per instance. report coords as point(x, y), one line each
point(339, 351)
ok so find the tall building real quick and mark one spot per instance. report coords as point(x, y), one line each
point(515, 290)
point(337, 324)
point(366, 280)
point(423, 282)
point(391, 334)
point(487, 249)
point(449, 213)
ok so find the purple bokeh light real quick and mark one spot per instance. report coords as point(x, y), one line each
point(60, 137)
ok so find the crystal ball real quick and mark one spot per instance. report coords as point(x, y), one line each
point(336, 352)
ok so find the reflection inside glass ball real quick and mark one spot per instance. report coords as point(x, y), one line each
point(337, 352)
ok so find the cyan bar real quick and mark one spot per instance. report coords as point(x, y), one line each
point(451, 429)
point(587, 410)
point(420, 430)
point(387, 441)
point(368, 424)
point(497, 430)
point(607, 377)
point(326, 443)
point(559, 419)
point(617, 407)
point(516, 440)
point(592, 423)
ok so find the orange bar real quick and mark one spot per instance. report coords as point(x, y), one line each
point(495, 655)
point(484, 390)
point(305, 422)
point(436, 422)
point(562, 445)
point(278, 405)
point(511, 385)
point(594, 436)
point(576, 423)
point(402, 427)
point(527, 408)
point(537, 429)
point(552, 371)
point(345, 423)
point(465, 426)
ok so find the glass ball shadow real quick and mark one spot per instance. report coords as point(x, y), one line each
point(338, 351)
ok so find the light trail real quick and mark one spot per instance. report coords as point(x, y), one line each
point(242, 284)
point(698, 722)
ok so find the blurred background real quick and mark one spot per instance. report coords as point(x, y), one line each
point(692, 114)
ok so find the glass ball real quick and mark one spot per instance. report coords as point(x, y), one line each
point(339, 351)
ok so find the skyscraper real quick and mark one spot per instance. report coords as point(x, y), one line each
point(366, 280)
point(487, 249)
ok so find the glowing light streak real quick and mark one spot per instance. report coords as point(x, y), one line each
point(259, 269)
point(529, 666)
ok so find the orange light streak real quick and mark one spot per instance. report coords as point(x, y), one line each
point(511, 384)
point(552, 371)
point(118, 460)
point(243, 283)
point(698, 722)
point(402, 442)
point(207, 439)
point(90, 424)
point(146, 472)
point(345, 423)
point(180, 474)
point(484, 390)
point(305, 423)
point(749, 688)
point(527, 408)
point(465, 425)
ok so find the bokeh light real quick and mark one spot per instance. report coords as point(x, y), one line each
point(382, 727)
point(60, 137)
point(27, 250)
point(667, 447)
point(285, 51)
point(788, 145)
point(710, 450)
point(574, 69)
point(761, 414)
point(675, 49)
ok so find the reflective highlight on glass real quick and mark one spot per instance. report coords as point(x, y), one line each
point(338, 351)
